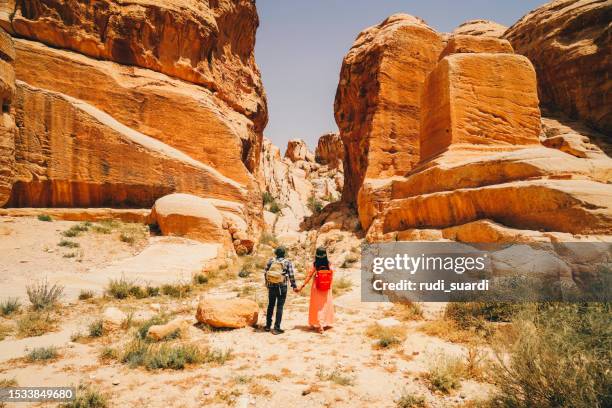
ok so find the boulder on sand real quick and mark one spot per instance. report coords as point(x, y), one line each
point(228, 313)
point(112, 318)
point(190, 216)
point(160, 331)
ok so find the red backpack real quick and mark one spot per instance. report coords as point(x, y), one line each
point(323, 279)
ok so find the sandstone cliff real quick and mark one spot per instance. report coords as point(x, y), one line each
point(486, 165)
point(121, 103)
point(569, 44)
point(378, 99)
point(296, 187)
point(7, 124)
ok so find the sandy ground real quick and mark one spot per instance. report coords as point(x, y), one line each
point(265, 371)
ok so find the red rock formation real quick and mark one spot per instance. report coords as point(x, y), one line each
point(330, 150)
point(378, 99)
point(482, 172)
point(568, 42)
point(7, 122)
point(71, 154)
point(207, 43)
point(458, 44)
point(485, 28)
point(297, 150)
point(479, 99)
point(176, 84)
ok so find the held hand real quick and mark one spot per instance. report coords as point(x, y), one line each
point(296, 290)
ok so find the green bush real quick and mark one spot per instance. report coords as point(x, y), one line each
point(200, 279)
point(86, 294)
point(42, 354)
point(274, 207)
point(407, 400)
point(96, 328)
point(445, 374)
point(68, 244)
point(314, 204)
point(558, 356)
point(9, 306)
point(87, 398)
point(44, 217)
point(177, 290)
point(42, 295)
point(266, 198)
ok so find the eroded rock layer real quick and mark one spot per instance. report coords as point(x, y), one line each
point(378, 99)
point(569, 44)
point(122, 103)
point(7, 122)
point(488, 167)
point(207, 43)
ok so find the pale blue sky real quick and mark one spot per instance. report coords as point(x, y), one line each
point(301, 43)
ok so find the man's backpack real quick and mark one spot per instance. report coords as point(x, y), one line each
point(323, 279)
point(275, 274)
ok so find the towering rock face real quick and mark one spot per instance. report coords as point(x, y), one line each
point(482, 173)
point(330, 150)
point(481, 28)
point(569, 44)
point(7, 121)
point(207, 43)
point(119, 104)
point(378, 99)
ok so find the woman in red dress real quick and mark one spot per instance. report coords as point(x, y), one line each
point(321, 309)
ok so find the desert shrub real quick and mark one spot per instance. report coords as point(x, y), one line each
point(35, 324)
point(127, 238)
point(406, 311)
point(314, 204)
point(137, 292)
point(274, 207)
point(336, 376)
point(558, 356)
point(96, 328)
point(68, 244)
point(85, 294)
point(169, 356)
point(9, 306)
point(176, 290)
point(76, 230)
point(266, 198)
point(445, 373)
point(42, 354)
point(200, 279)
point(152, 291)
point(386, 336)
point(472, 314)
point(341, 285)
point(408, 400)
point(87, 398)
point(119, 288)
point(45, 217)
point(42, 295)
